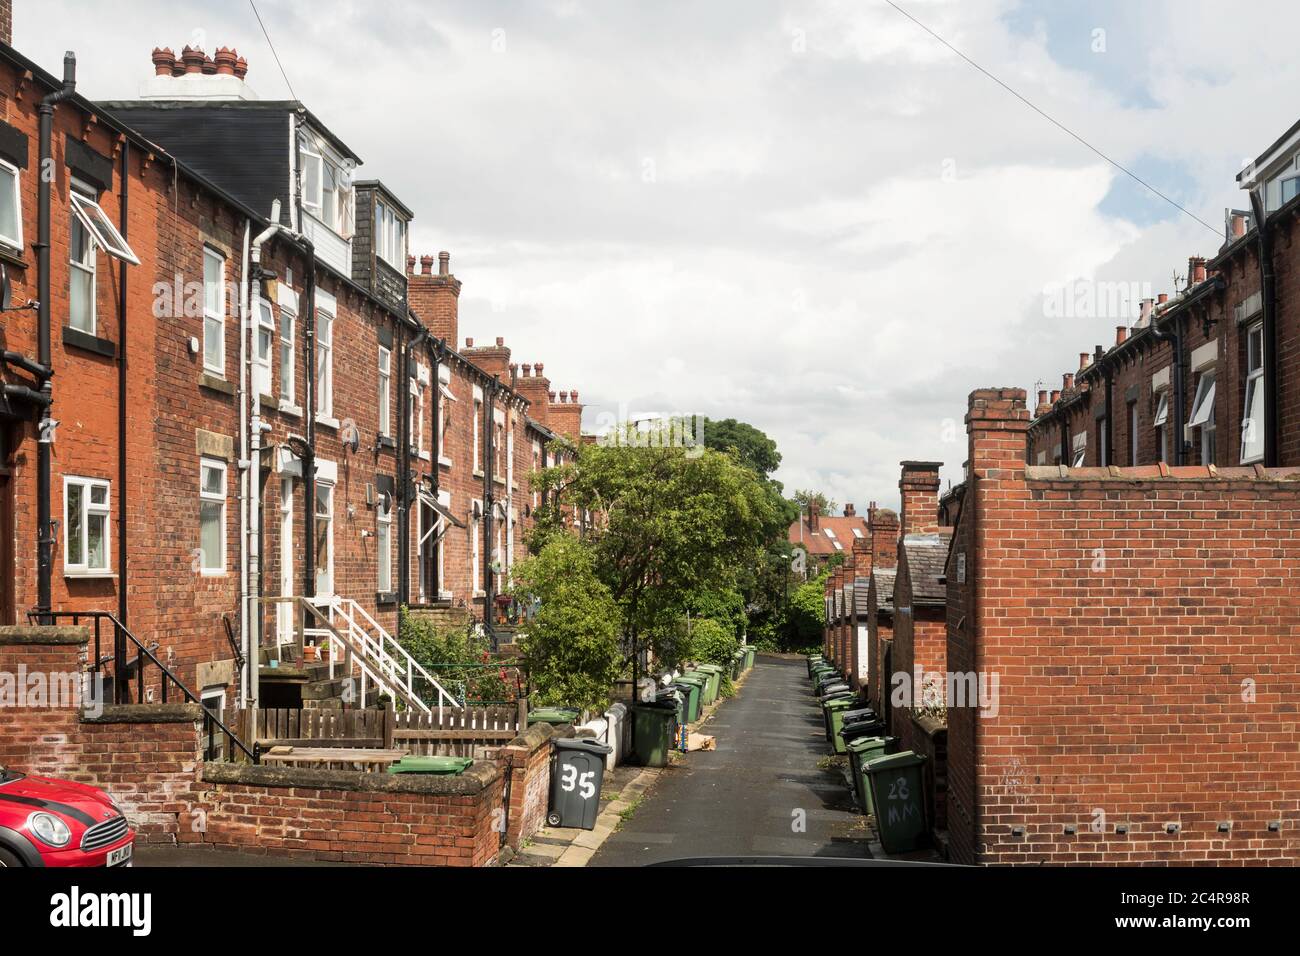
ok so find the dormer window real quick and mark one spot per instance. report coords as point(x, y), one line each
point(327, 191)
point(390, 235)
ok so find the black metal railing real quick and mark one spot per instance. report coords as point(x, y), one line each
point(124, 673)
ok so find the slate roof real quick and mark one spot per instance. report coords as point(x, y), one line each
point(927, 556)
point(885, 587)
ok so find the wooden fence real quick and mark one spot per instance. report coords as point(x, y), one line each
point(462, 733)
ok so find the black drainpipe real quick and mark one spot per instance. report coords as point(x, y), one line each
point(1066, 450)
point(1176, 421)
point(309, 452)
point(489, 457)
point(44, 528)
point(403, 463)
point(1268, 294)
point(124, 201)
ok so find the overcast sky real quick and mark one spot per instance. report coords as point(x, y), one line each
point(810, 216)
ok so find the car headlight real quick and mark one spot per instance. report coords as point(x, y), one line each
point(49, 829)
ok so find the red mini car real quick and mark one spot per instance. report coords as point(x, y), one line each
point(45, 822)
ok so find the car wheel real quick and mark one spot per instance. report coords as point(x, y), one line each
point(9, 858)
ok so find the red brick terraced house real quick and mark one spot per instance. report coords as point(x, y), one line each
point(1211, 375)
point(1134, 628)
point(184, 477)
point(879, 609)
point(821, 536)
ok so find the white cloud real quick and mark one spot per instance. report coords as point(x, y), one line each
point(847, 227)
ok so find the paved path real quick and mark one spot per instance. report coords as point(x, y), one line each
point(743, 798)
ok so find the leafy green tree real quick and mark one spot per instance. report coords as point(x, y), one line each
point(805, 497)
point(807, 614)
point(713, 642)
point(460, 657)
point(673, 523)
point(751, 447)
point(570, 646)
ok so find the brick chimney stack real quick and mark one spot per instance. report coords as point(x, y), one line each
point(7, 22)
point(882, 528)
point(814, 512)
point(849, 511)
point(997, 424)
point(435, 298)
point(919, 486)
point(535, 387)
point(493, 359)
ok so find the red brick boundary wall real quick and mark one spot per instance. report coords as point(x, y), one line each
point(148, 758)
point(1142, 622)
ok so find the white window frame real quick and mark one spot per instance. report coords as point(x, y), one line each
point(475, 544)
point(1160, 422)
point(15, 241)
point(89, 267)
point(217, 316)
point(501, 453)
point(210, 497)
point(444, 388)
point(324, 570)
point(385, 391)
point(1079, 449)
point(263, 328)
point(313, 199)
point(1252, 418)
point(288, 346)
point(324, 369)
point(384, 545)
point(79, 565)
point(1202, 416)
point(99, 226)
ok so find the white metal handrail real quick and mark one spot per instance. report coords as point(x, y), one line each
point(388, 657)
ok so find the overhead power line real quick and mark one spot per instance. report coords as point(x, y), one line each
point(1055, 122)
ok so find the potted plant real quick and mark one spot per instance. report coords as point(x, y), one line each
point(310, 653)
point(323, 649)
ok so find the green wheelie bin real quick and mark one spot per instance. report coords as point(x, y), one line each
point(897, 783)
point(715, 673)
point(750, 651)
point(692, 688)
point(834, 710)
point(707, 692)
point(654, 726)
point(862, 749)
point(813, 661)
point(555, 716)
point(440, 766)
point(737, 664)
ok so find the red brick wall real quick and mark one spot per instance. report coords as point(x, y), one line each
point(1157, 604)
point(919, 640)
point(351, 826)
point(528, 760)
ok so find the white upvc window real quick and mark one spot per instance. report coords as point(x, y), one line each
point(98, 225)
point(415, 413)
point(11, 206)
point(212, 515)
point(86, 541)
point(82, 262)
point(214, 311)
point(500, 447)
point(323, 541)
point(537, 466)
point(324, 362)
point(444, 419)
point(313, 180)
point(385, 391)
point(264, 345)
point(1203, 414)
point(384, 544)
point(1079, 449)
point(1160, 422)
point(390, 236)
point(288, 318)
point(1103, 441)
point(1252, 421)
